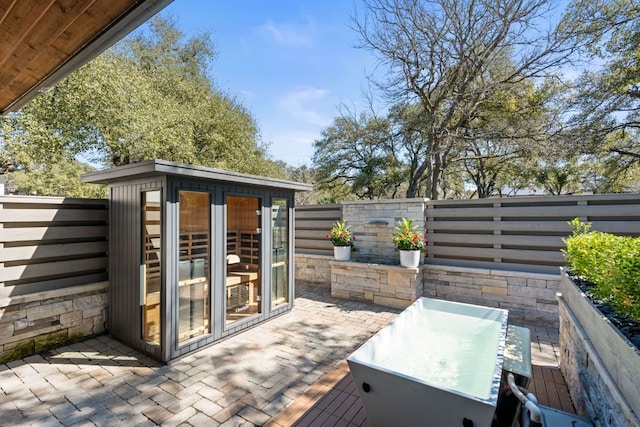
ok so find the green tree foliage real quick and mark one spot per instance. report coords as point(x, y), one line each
point(321, 194)
point(559, 177)
point(353, 157)
point(148, 97)
point(476, 105)
point(445, 56)
point(386, 153)
point(58, 179)
point(510, 129)
point(606, 98)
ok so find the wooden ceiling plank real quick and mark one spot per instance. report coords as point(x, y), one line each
point(21, 20)
point(88, 24)
point(85, 27)
point(59, 17)
point(41, 40)
point(5, 8)
point(61, 48)
point(27, 78)
point(19, 75)
point(6, 93)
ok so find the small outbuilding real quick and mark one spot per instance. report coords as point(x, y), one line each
point(195, 254)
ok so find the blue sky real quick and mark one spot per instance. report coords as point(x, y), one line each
point(290, 63)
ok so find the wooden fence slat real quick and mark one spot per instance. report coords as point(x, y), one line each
point(312, 234)
point(620, 211)
point(605, 199)
point(26, 234)
point(51, 215)
point(332, 215)
point(33, 271)
point(314, 225)
point(313, 243)
point(493, 239)
point(625, 227)
point(52, 251)
point(49, 200)
point(511, 226)
point(492, 253)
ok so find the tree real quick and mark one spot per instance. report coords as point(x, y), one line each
point(353, 153)
point(440, 54)
point(58, 179)
point(512, 126)
point(559, 177)
point(148, 97)
point(606, 99)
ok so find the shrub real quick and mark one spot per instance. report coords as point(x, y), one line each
point(610, 262)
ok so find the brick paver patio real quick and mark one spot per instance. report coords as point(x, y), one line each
point(276, 371)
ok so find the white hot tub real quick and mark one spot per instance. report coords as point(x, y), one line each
point(437, 364)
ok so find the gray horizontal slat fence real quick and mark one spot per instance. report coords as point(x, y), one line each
point(313, 222)
point(51, 243)
point(522, 233)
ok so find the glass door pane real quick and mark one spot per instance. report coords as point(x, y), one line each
point(151, 265)
point(243, 284)
point(280, 252)
point(193, 264)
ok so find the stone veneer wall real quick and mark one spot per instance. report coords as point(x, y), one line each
point(33, 323)
point(313, 269)
point(373, 222)
point(593, 392)
point(529, 297)
point(601, 366)
point(387, 285)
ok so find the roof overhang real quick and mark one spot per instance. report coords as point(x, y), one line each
point(154, 168)
point(45, 40)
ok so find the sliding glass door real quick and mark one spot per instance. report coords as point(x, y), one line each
point(194, 264)
point(280, 252)
point(243, 291)
point(151, 274)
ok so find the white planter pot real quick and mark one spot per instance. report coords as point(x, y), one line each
point(342, 253)
point(409, 259)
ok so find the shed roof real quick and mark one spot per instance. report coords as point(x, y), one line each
point(163, 167)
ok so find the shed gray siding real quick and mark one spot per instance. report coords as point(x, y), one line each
point(127, 185)
point(125, 320)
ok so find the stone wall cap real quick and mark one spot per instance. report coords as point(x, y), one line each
point(496, 272)
point(314, 256)
point(56, 293)
point(528, 275)
point(386, 201)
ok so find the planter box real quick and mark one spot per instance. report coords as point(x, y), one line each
point(387, 285)
point(601, 366)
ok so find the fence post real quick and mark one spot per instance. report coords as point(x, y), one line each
point(497, 231)
point(1, 238)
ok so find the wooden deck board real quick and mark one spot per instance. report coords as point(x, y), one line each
point(334, 400)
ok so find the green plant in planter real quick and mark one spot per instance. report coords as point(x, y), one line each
point(341, 235)
point(407, 237)
point(610, 262)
